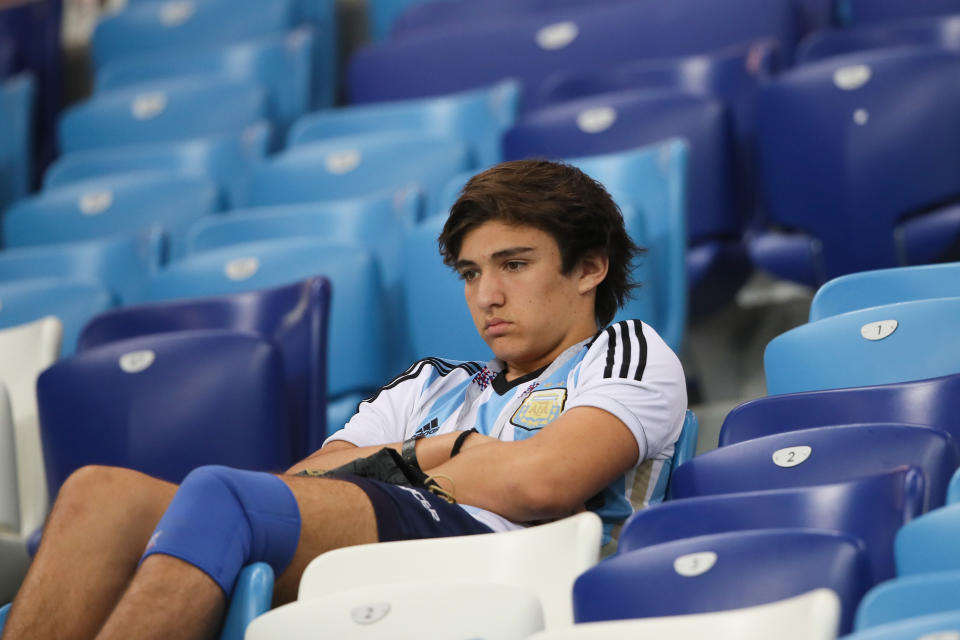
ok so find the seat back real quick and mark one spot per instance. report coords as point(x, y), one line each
point(926, 544)
point(294, 317)
point(855, 12)
point(905, 597)
point(821, 456)
point(940, 31)
point(878, 345)
point(885, 286)
point(16, 125)
point(932, 626)
point(173, 109)
point(871, 508)
point(724, 571)
point(9, 496)
point(545, 559)
point(932, 403)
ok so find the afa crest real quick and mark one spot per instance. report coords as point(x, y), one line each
point(540, 408)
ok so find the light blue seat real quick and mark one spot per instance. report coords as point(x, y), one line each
point(919, 628)
point(281, 64)
point(359, 341)
point(850, 350)
point(73, 302)
point(381, 14)
point(16, 126)
point(112, 205)
point(478, 117)
point(906, 597)
point(885, 286)
point(929, 543)
point(120, 264)
point(953, 489)
point(173, 109)
point(225, 159)
point(355, 165)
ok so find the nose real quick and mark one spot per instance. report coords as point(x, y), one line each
point(489, 291)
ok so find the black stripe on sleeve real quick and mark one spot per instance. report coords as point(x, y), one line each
point(625, 333)
point(443, 368)
point(611, 351)
point(642, 365)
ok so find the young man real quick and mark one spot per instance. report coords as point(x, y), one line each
point(559, 421)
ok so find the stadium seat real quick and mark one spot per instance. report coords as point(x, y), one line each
point(293, 317)
point(437, 609)
point(879, 345)
point(821, 456)
point(939, 626)
point(112, 205)
point(885, 286)
point(868, 130)
point(352, 166)
point(942, 31)
point(933, 403)
point(717, 263)
point(358, 339)
point(477, 116)
point(814, 615)
point(16, 124)
point(165, 404)
point(9, 496)
point(72, 302)
point(529, 47)
point(871, 508)
point(928, 543)
point(167, 110)
point(857, 12)
point(953, 489)
point(544, 559)
point(382, 14)
point(910, 596)
point(25, 351)
point(281, 64)
point(724, 571)
point(225, 159)
point(120, 264)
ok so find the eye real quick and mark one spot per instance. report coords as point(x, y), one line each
point(515, 265)
point(468, 274)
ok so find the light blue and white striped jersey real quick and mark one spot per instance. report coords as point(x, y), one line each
point(626, 370)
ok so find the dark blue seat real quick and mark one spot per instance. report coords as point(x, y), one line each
point(717, 264)
point(165, 404)
point(723, 571)
point(529, 47)
point(868, 130)
point(871, 508)
point(821, 455)
point(293, 317)
point(934, 403)
point(856, 12)
point(17, 96)
point(942, 31)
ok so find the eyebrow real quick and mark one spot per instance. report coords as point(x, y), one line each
point(497, 255)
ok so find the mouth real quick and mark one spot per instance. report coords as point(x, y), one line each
point(496, 327)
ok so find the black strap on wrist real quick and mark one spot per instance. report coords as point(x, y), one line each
point(458, 443)
point(408, 453)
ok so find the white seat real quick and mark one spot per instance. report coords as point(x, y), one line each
point(435, 610)
point(545, 559)
point(25, 351)
point(9, 496)
point(814, 615)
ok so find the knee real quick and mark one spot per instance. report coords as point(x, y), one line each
point(92, 483)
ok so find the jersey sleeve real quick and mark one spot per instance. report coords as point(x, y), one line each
point(630, 372)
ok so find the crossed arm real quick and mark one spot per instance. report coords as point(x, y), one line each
point(549, 475)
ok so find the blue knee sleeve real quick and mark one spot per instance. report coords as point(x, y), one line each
point(222, 519)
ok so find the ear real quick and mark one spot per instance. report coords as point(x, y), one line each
point(592, 270)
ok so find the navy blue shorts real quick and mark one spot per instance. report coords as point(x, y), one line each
point(404, 513)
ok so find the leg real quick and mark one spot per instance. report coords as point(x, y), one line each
point(97, 530)
point(171, 598)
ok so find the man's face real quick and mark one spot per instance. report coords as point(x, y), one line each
point(525, 309)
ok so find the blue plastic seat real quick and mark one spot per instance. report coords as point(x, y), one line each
point(886, 184)
point(821, 455)
point(629, 119)
point(885, 286)
point(120, 264)
point(356, 165)
point(953, 490)
point(856, 12)
point(529, 47)
point(16, 125)
point(921, 627)
point(928, 543)
point(933, 403)
point(871, 508)
point(73, 302)
point(173, 109)
point(112, 205)
point(723, 571)
point(922, 594)
point(855, 349)
point(165, 404)
point(281, 64)
point(359, 342)
point(942, 31)
point(225, 159)
point(294, 317)
point(478, 117)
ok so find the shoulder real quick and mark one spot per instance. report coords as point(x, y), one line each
point(630, 350)
point(428, 371)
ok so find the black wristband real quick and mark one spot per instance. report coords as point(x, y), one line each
point(408, 453)
point(458, 443)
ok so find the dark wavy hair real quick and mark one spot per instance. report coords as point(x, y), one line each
point(561, 200)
